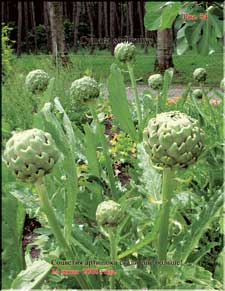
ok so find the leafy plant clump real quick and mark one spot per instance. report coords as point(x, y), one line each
point(155, 229)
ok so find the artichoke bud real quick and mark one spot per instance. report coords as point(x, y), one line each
point(125, 52)
point(173, 140)
point(222, 84)
point(37, 81)
point(84, 90)
point(197, 93)
point(31, 154)
point(108, 214)
point(155, 81)
point(200, 75)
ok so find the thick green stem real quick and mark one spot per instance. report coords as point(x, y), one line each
point(167, 190)
point(113, 255)
point(137, 101)
point(48, 210)
point(53, 223)
point(105, 149)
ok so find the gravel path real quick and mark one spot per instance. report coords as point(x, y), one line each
point(174, 90)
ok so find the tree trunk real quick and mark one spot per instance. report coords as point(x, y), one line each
point(100, 6)
point(106, 19)
point(121, 19)
point(88, 6)
point(34, 25)
point(76, 25)
point(131, 20)
point(19, 28)
point(65, 9)
point(164, 59)
point(112, 25)
point(127, 21)
point(59, 52)
point(26, 26)
point(140, 12)
point(46, 24)
point(3, 12)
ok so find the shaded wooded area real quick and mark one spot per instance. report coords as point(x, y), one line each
point(84, 23)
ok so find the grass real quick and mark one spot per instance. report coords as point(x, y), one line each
point(98, 65)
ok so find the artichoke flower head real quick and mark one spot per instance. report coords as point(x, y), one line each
point(155, 81)
point(84, 90)
point(31, 154)
point(37, 81)
point(173, 140)
point(125, 52)
point(200, 75)
point(197, 93)
point(108, 213)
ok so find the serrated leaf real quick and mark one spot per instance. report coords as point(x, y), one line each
point(169, 14)
point(152, 15)
point(118, 101)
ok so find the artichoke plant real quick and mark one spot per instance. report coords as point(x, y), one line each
point(108, 214)
point(125, 52)
point(31, 154)
point(198, 94)
point(173, 140)
point(37, 81)
point(84, 90)
point(200, 75)
point(155, 81)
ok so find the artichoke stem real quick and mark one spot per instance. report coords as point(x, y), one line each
point(103, 142)
point(167, 190)
point(137, 101)
point(48, 210)
point(113, 255)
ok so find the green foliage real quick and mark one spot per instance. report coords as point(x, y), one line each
point(201, 35)
point(7, 52)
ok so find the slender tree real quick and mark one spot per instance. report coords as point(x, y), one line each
point(164, 59)
point(76, 24)
point(46, 24)
point(90, 17)
point(100, 7)
point(33, 21)
point(59, 51)
point(26, 26)
point(131, 19)
point(112, 25)
point(19, 28)
point(106, 19)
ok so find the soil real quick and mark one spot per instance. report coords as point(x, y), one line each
point(29, 235)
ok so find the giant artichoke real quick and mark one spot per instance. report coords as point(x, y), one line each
point(31, 154)
point(155, 81)
point(125, 52)
point(197, 93)
point(200, 75)
point(173, 140)
point(37, 81)
point(84, 89)
point(108, 214)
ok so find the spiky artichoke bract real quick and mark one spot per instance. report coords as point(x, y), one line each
point(108, 214)
point(37, 81)
point(173, 140)
point(200, 75)
point(31, 154)
point(155, 81)
point(125, 52)
point(84, 90)
point(197, 93)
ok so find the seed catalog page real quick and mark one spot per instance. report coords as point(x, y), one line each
point(112, 145)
